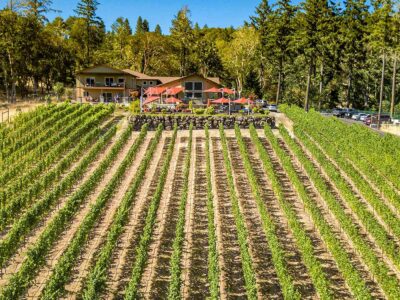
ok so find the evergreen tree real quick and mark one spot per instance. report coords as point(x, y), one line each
point(145, 26)
point(93, 26)
point(139, 26)
point(282, 31)
point(353, 38)
point(262, 22)
point(158, 30)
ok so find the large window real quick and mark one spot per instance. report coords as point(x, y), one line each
point(90, 81)
point(109, 81)
point(194, 90)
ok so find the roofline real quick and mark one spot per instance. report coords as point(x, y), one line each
point(104, 65)
point(184, 77)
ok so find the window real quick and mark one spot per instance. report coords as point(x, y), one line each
point(189, 86)
point(198, 86)
point(90, 81)
point(121, 81)
point(109, 81)
point(144, 82)
point(194, 90)
point(86, 94)
point(151, 82)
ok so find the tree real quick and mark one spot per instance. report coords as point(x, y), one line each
point(120, 31)
point(262, 23)
point(352, 34)
point(145, 26)
point(139, 26)
point(239, 55)
point(181, 32)
point(282, 30)
point(37, 8)
point(380, 37)
point(308, 37)
point(158, 30)
point(59, 90)
point(93, 27)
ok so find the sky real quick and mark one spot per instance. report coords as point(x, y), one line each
point(214, 13)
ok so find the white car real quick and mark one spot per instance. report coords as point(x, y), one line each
point(363, 117)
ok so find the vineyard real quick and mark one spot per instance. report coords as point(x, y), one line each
point(91, 209)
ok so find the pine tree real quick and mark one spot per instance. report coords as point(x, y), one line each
point(353, 37)
point(139, 26)
point(158, 30)
point(86, 9)
point(145, 26)
point(282, 31)
point(380, 38)
point(262, 22)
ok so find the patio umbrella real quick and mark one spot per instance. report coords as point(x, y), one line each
point(150, 99)
point(213, 90)
point(173, 100)
point(226, 91)
point(221, 101)
point(174, 91)
point(243, 101)
point(151, 91)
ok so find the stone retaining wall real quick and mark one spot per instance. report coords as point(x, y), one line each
point(199, 121)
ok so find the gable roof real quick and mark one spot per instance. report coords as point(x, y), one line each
point(102, 69)
point(213, 80)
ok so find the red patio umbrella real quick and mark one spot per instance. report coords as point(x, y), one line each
point(151, 91)
point(221, 101)
point(150, 99)
point(174, 91)
point(173, 100)
point(213, 90)
point(227, 91)
point(243, 101)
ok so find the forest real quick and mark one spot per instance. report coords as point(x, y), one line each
point(315, 53)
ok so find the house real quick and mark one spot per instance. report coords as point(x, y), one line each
point(105, 84)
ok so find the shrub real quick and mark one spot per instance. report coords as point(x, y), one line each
point(199, 111)
point(209, 110)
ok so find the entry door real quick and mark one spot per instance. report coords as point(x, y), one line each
point(107, 97)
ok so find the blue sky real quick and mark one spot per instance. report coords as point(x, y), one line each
point(214, 13)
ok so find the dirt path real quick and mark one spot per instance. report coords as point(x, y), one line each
point(295, 265)
point(159, 258)
point(328, 215)
point(124, 253)
point(58, 249)
point(232, 271)
point(100, 231)
point(16, 260)
point(196, 284)
point(266, 277)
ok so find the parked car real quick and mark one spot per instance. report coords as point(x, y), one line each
point(358, 116)
point(261, 103)
point(272, 107)
point(349, 112)
point(338, 112)
point(363, 117)
point(373, 119)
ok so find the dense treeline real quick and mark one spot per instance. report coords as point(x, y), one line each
point(315, 54)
